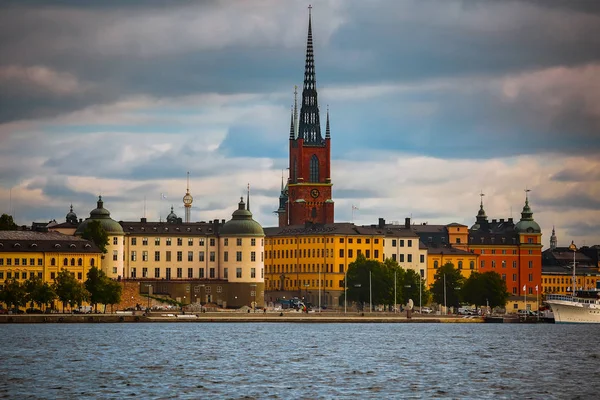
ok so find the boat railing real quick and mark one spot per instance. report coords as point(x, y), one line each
point(571, 299)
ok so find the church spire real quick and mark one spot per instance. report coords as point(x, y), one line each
point(327, 130)
point(248, 199)
point(292, 133)
point(310, 126)
point(553, 241)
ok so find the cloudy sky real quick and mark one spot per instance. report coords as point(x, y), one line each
point(431, 102)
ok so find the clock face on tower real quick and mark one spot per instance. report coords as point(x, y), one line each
point(314, 193)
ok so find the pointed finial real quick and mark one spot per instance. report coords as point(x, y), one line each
point(71, 207)
point(327, 130)
point(481, 194)
point(292, 130)
point(188, 181)
point(248, 198)
point(171, 207)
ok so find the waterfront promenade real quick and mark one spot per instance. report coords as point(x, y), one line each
point(295, 317)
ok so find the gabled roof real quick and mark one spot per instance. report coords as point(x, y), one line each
point(31, 241)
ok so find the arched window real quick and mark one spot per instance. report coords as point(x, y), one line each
point(65, 262)
point(79, 262)
point(92, 262)
point(72, 262)
point(314, 168)
point(435, 264)
point(460, 265)
point(53, 262)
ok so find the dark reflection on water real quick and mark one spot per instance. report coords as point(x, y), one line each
point(282, 361)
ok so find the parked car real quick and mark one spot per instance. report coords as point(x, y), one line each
point(426, 310)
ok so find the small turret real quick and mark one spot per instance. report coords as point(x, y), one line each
point(553, 241)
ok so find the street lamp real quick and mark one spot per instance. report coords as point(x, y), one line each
point(358, 286)
point(149, 287)
point(254, 301)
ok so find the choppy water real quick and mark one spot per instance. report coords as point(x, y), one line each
point(284, 361)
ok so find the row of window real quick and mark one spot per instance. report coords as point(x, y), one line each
point(514, 252)
point(303, 268)
point(319, 240)
point(21, 261)
point(503, 263)
point(40, 262)
point(302, 284)
point(317, 253)
point(401, 243)
point(190, 273)
point(409, 258)
point(460, 265)
point(190, 256)
point(32, 274)
point(190, 241)
point(562, 280)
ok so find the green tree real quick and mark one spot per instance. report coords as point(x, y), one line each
point(69, 290)
point(96, 280)
point(46, 295)
point(487, 288)
point(94, 232)
point(359, 272)
point(33, 288)
point(112, 293)
point(453, 280)
point(13, 294)
point(7, 223)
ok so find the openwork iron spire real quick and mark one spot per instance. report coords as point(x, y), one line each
point(310, 126)
point(327, 130)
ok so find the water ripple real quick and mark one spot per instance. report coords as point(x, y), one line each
point(299, 361)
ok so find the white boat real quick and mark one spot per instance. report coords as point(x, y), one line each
point(583, 308)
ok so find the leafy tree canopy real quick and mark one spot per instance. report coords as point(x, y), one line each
point(450, 280)
point(487, 288)
point(94, 232)
point(7, 223)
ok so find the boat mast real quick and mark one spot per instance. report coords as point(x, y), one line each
point(573, 248)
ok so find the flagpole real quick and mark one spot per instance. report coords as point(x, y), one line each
point(525, 297)
point(537, 295)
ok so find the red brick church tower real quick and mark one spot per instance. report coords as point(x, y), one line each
point(307, 195)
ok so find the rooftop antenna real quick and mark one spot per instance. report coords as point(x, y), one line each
point(248, 198)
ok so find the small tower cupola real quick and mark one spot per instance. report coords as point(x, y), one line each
point(71, 216)
point(553, 240)
point(481, 221)
point(527, 223)
point(172, 217)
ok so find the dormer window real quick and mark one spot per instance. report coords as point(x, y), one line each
point(17, 245)
point(87, 246)
point(33, 244)
point(57, 246)
point(72, 246)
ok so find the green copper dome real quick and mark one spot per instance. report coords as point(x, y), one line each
point(527, 224)
point(102, 215)
point(241, 223)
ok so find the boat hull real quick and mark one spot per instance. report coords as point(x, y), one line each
point(575, 312)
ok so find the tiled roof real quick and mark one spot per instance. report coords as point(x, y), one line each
point(23, 241)
point(447, 250)
point(337, 228)
point(170, 229)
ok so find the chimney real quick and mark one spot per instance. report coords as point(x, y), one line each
point(143, 220)
point(407, 223)
point(493, 221)
point(510, 220)
point(501, 219)
point(381, 222)
point(223, 221)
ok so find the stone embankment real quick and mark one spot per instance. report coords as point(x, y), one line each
point(140, 317)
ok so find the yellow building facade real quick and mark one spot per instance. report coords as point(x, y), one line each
point(464, 261)
point(307, 260)
point(26, 254)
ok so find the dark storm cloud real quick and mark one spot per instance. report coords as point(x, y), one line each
point(574, 199)
point(70, 38)
point(577, 175)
